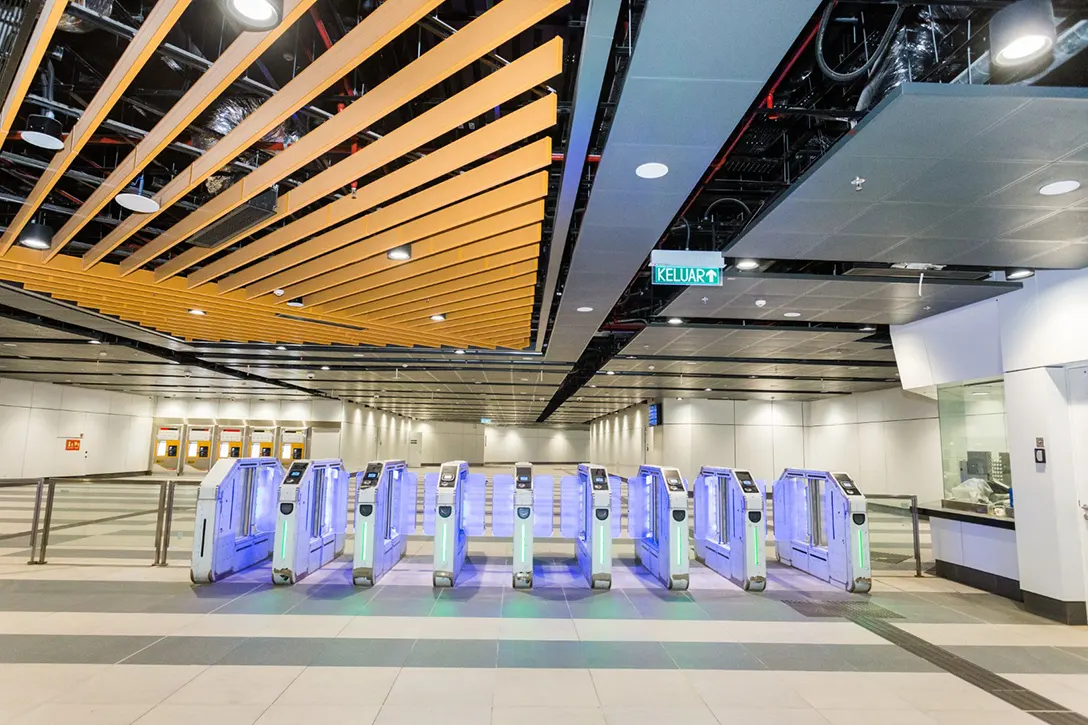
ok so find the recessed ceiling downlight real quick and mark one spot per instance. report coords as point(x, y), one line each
point(36, 236)
point(675, 321)
point(198, 313)
point(746, 264)
point(791, 314)
point(400, 254)
point(256, 14)
point(651, 170)
point(438, 318)
point(1057, 188)
point(296, 302)
point(1022, 32)
point(1015, 274)
point(585, 309)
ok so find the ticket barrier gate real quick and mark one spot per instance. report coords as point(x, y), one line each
point(522, 508)
point(589, 508)
point(731, 525)
point(311, 522)
point(657, 521)
point(235, 517)
point(453, 510)
point(821, 526)
point(385, 516)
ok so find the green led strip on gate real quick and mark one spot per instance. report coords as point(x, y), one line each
point(362, 554)
point(602, 549)
point(679, 551)
point(283, 542)
point(861, 547)
point(523, 537)
point(755, 546)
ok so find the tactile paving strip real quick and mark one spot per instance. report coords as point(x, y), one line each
point(845, 609)
point(1007, 690)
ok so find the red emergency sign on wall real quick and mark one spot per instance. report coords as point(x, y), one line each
point(71, 444)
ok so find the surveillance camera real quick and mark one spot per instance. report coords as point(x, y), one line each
point(188, 374)
point(309, 376)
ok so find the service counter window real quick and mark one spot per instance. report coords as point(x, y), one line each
point(974, 447)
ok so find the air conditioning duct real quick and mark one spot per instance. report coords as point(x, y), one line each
point(237, 220)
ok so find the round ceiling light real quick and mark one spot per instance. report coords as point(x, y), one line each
point(324, 367)
point(256, 14)
point(585, 309)
point(36, 236)
point(137, 202)
point(868, 328)
point(281, 348)
point(198, 313)
point(675, 321)
point(296, 302)
point(438, 318)
point(459, 352)
point(400, 254)
point(791, 314)
point(651, 170)
point(278, 292)
point(746, 264)
point(1059, 187)
point(43, 131)
point(1022, 32)
point(1015, 274)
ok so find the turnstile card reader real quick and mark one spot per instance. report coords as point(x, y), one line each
point(453, 501)
point(821, 526)
point(588, 515)
point(385, 515)
point(523, 509)
point(657, 520)
point(312, 519)
point(731, 525)
point(235, 517)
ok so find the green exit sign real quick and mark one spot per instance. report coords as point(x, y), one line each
point(692, 276)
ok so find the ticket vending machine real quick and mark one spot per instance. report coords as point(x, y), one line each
point(522, 508)
point(385, 516)
point(198, 447)
point(235, 517)
point(590, 514)
point(453, 510)
point(821, 526)
point(731, 525)
point(230, 442)
point(657, 520)
point(294, 444)
point(168, 449)
point(262, 442)
point(311, 524)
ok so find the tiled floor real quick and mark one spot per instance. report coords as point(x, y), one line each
point(106, 639)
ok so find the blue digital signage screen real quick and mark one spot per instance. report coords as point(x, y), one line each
point(654, 416)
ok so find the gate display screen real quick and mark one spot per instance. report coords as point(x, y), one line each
point(446, 480)
point(600, 480)
point(523, 479)
point(847, 484)
point(746, 483)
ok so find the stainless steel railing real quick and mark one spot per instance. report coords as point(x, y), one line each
point(912, 505)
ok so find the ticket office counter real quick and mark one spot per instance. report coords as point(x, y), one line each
point(975, 549)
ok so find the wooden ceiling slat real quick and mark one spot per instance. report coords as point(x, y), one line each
point(482, 318)
point(386, 22)
point(140, 49)
point(524, 218)
point(234, 61)
point(523, 74)
point(455, 221)
point(480, 179)
point(512, 289)
point(470, 260)
point(513, 321)
point(498, 24)
point(449, 287)
point(25, 74)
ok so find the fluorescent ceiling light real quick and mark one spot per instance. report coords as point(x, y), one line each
point(610, 372)
point(675, 321)
point(746, 264)
point(651, 170)
point(1059, 187)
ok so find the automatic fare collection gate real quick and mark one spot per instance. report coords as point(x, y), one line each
point(821, 526)
point(385, 515)
point(731, 525)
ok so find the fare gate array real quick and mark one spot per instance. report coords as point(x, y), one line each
point(731, 525)
point(311, 523)
point(385, 516)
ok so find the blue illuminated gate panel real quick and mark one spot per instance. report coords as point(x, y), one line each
point(571, 508)
point(616, 484)
point(473, 512)
point(430, 502)
point(637, 523)
point(502, 505)
point(543, 505)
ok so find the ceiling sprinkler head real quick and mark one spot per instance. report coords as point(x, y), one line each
point(857, 183)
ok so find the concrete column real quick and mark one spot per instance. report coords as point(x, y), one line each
point(1051, 532)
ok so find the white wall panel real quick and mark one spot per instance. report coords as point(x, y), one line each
point(14, 425)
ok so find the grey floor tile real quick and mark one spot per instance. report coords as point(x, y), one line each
point(748, 611)
point(349, 652)
point(186, 651)
point(480, 607)
point(882, 658)
point(276, 651)
point(378, 607)
point(542, 654)
point(521, 605)
point(627, 655)
point(712, 656)
point(453, 653)
point(602, 605)
point(274, 601)
point(69, 649)
point(1040, 660)
point(809, 657)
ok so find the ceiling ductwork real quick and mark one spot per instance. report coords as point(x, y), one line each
point(70, 23)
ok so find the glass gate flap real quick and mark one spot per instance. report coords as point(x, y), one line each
point(543, 505)
point(430, 502)
point(502, 505)
point(474, 515)
point(571, 508)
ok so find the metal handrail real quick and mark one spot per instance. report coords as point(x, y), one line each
point(43, 514)
point(913, 520)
